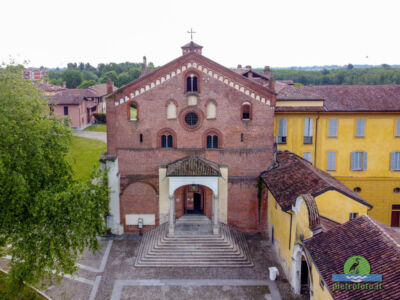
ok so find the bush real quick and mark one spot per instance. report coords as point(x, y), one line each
point(100, 118)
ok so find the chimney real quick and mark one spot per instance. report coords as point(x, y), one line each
point(248, 67)
point(144, 66)
point(239, 66)
point(110, 86)
point(64, 84)
point(267, 72)
point(271, 84)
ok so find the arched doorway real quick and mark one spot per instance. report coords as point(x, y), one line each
point(301, 277)
point(193, 199)
point(304, 277)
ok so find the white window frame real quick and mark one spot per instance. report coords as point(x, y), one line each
point(360, 128)
point(332, 128)
point(331, 165)
point(308, 156)
point(358, 161)
point(395, 161)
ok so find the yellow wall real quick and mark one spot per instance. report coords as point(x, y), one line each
point(379, 141)
point(319, 293)
point(337, 207)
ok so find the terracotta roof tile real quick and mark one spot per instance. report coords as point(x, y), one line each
point(361, 98)
point(193, 166)
point(294, 176)
point(365, 237)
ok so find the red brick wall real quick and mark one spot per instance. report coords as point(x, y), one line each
point(245, 160)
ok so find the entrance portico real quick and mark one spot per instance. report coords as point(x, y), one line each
point(193, 171)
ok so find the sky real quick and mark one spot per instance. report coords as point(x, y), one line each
point(279, 33)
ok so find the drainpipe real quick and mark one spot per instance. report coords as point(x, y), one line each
point(316, 138)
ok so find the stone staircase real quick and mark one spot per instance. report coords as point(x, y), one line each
point(199, 248)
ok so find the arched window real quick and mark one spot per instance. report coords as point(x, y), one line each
point(246, 111)
point(166, 138)
point(133, 112)
point(171, 110)
point(211, 110)
point(166, 141)
point(212, 141)
point(191, 83)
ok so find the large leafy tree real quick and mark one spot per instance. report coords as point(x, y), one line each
point(46, 217)
point(72, 78)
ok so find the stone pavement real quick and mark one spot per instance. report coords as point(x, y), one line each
point(111, 274)
point(100, 136)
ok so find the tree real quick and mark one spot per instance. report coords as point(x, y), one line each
point(88, 75)
point(87, 83)
point(73, 78)
point(47, 218)
point(350, 66)
point(123, 79)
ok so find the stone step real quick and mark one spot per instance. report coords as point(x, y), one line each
point(229, 249)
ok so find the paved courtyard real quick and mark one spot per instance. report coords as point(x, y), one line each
point(111, 274)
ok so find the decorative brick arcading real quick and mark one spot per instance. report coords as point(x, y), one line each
point(195, 66)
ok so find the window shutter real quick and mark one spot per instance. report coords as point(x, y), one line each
point(393, 161)
point(365, 162)
point(308, 127)
point(332, 127)
point(360, 130)
point(331, 161)
point(308, 156)
point(398, 128)
point(282, 127)
point(353, 160)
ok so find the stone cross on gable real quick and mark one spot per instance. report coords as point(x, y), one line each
point(191, 34)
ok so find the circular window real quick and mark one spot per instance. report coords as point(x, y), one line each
point(357, 189)
point(191, 119)
point(396, 190)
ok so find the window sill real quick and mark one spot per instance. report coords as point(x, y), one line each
point(133, 121)
point(359, 137)
point(282, 143)
point(211, 119)
point(332, 137)
point(246, 120)
point(192, 93)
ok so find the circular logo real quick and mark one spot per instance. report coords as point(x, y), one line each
point(357, 265)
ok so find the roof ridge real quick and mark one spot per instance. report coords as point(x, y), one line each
point(383, 231)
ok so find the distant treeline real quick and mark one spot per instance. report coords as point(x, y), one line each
point(348, 76)
point(85, 75)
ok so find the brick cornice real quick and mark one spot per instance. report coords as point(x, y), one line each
point(199, 64)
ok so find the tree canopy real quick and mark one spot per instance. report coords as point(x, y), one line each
point(46, 217)
point(120, 74)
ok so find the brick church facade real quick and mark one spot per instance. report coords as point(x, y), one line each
point(190, 137)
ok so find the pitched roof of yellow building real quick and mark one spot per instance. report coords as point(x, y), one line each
point(345, 98)
point(365, 237)
point(293, 176)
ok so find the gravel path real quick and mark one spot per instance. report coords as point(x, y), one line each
point(100, 136)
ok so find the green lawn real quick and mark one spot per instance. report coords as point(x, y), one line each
point(84, 156)
point(27, 294)
point(98, 128)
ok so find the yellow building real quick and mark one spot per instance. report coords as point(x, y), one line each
point(307, 210)
point(353, 133)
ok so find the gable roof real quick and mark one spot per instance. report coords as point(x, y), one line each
point(362, 236)
point(193, 166)
point(48, 87)
point(195, 60)
point(293, 176)
point(77, 96)
point(347, 98)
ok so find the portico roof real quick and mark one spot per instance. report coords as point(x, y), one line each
point(193, 166)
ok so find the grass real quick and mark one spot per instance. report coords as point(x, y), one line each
point(84, 155)
point(98, 128)
point(27, 293)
